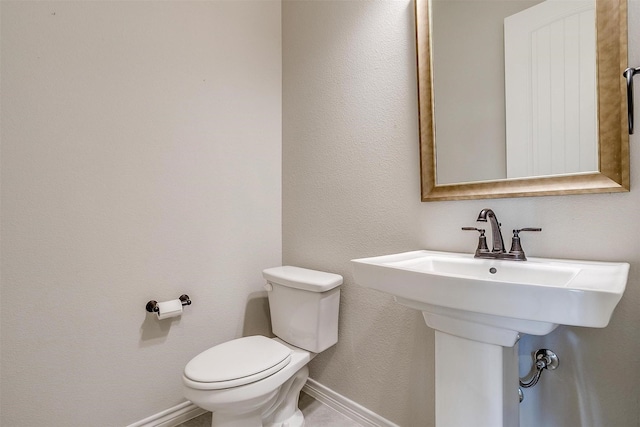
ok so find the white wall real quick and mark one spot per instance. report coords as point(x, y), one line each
point(351, 189)
point(141, 159)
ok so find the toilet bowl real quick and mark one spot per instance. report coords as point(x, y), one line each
point(255, 381)
point(243, 402)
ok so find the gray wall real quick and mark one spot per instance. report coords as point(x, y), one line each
point(140, 160)
point(351, 189)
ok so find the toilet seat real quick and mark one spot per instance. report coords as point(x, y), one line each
point(237, 362)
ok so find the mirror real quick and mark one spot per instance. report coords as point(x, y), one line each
point(499, 161)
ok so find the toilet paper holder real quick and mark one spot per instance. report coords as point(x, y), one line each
point(152, 306)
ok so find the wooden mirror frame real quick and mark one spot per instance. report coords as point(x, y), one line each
point(613, 136)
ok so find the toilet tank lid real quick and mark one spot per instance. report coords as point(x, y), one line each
point(302, 278)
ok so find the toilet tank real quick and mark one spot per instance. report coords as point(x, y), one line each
point(304, 306)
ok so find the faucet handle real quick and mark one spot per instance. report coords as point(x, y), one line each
point(482, 241)
point(515, 232)
point(516, 247)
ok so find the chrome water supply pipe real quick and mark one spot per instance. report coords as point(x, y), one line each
point(543, 359)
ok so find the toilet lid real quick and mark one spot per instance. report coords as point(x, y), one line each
point(238, 362)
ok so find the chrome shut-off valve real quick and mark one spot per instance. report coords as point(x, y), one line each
point(542, 359)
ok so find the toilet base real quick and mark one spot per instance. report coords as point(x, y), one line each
point(285, 412)
point(262, 408)
point(281, 411)
point(296, 420)
point(252, 419)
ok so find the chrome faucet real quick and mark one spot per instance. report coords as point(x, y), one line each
point(498, 252)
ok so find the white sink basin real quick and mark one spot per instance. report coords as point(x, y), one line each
point(460, 294)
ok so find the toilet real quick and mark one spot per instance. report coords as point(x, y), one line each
point(255, 381)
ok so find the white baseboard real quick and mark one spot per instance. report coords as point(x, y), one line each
point(345, 406)
point(172, 416)
point(350, 409)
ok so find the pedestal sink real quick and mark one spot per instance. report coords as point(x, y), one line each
point(480, 307)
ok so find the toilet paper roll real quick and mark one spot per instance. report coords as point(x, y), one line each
point(168, 309)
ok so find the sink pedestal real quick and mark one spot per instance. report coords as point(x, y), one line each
point(476, 383)
point(477, 375)
point(476, 369)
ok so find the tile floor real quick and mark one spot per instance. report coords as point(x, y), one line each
point(315, 413)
